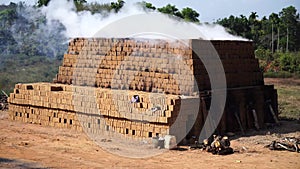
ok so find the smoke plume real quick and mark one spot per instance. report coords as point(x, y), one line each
point(84, 24)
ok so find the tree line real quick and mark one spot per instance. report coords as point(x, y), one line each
point(277, 32)
point(187, 13)
point(276, 39)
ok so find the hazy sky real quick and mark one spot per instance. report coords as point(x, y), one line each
point(211, 10)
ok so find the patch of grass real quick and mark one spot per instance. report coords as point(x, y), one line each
point(280, 74)
point(289, 101)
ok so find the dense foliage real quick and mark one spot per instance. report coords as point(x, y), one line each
point(276, 39)
point(278, 32)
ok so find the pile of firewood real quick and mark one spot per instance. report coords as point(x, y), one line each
point(216, 145)
point(3, 100)
point(286, 143)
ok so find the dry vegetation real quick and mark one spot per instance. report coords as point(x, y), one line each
point(288, 96)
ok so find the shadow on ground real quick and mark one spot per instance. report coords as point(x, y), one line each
point(13, 163)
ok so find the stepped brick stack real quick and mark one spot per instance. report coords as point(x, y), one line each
point(138, 88)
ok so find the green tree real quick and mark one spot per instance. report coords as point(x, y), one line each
point(290, 19)
point(277, 32)
point(41, 3)
point(237, 25)
point(171, 10)
point(190, 15)
point(80, 4)
point(8, 15)
point(98, 8)
point(116, 6)
point(255, 28)
point(274, 27)
point(146, 5)
point(150, 6)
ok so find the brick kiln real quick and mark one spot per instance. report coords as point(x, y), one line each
point(135, 87)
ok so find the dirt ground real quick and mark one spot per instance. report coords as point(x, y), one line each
point(34, 146)
point(282, 81)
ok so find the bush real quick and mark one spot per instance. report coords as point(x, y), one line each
point(263, 54)
point(279, 64)
point(289, 61)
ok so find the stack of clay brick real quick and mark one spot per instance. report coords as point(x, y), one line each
point(156, 65)
point(70, 106)
point(43, 103)
point(128, 64)
point(240, 65)
point(141, 87)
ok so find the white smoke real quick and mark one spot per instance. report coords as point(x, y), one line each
point(217, 32)
point(30, 26)
point(84, 24)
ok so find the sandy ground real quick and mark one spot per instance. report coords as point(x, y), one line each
point(34, 146)
point(282, 81)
